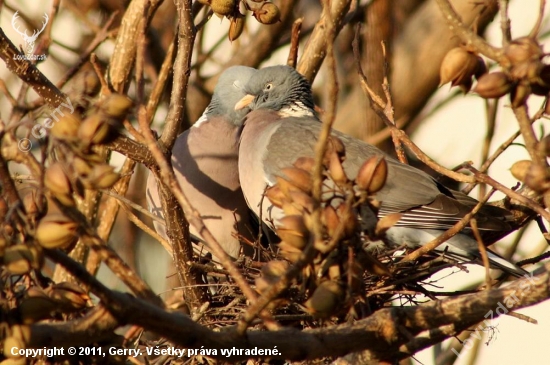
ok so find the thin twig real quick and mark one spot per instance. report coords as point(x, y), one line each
point(294, 43)
point(482, 251)
point(504, 22)
point(536, 28)
point(469, 37)
point(455, 229)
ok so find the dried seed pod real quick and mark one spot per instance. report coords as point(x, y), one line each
point(35, 305)
point(18, 259)
point(348, 218)
point(276, 196)
point(546, 199)
point(88, 82)
point(81, 167)
point(304, 163)
point(58, 183)
point(386, 223)
point(292, 230)
point(36, 256)
point(290, 208)
point(69, 300)
point(458, 67)
point(519, 169)
point(334, 272)
point(56, 231)
point(537, 178)
point(66, 127)
point(3, 208)
point(101, 177)
point(523, 49)
point(336, 170)
point(275, 268)
point(222, 7)
point(544, 145)
point(481, 68)
point(300, 178)
point(115, 106)
point(18, 336)
point(35, 205)
point(541, 83)
point(493, 85)
point(3, 245)
point(94, 130)
point(528, 71)
point(545, 76)
point(236, 27)
point(14, 361)
point(330, 220)
point(268, 13)
point(372, 174)
point(520, 94)
point(285, 186)
point(325, 299)
point(539, 89)
point(289, 252)
point(334, 146)
point(271, 272)
point(302, 200)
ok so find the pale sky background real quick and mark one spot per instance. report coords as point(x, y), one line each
point(451, 135)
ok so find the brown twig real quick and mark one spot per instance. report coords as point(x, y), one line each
point(504, 22)
point(455, 229)
point(98, 39)
point(26, 71)
point(139, 223)
point(293, 344)
point(469, 37)
point(536, 28)
point(483, 178)
point(124, 54)
point(528, 134)
point(182, 71)
point(316, 50)
point(482, 251)
point(491, 108)
point(485, 166)
point(385, 111)
point(294, 43)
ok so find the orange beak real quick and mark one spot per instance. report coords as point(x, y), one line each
point(244, 102)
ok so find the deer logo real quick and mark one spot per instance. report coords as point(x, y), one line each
point(29, 40)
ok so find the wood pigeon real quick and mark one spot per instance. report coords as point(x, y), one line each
point(205, 162)
point(283, 126)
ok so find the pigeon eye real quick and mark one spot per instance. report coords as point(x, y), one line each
point(268, 86)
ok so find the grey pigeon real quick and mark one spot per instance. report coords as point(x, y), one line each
point(205, 162)
point(282, 126)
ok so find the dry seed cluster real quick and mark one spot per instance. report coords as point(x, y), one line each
point(522, 71)
point(78, 167)
point(534, 175)
point(265, 12)
point(335, 274)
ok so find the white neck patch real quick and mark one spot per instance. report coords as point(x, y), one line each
point(297, 109)
point(201, 120)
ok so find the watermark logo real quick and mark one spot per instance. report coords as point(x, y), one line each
point(40, 131)
point(30, 40)
point(502, 308)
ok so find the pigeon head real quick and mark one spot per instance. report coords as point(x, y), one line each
point(228, 91)
point(279, 88)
